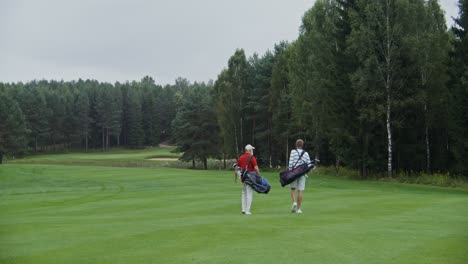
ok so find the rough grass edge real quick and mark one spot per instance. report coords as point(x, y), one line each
point(435, 179)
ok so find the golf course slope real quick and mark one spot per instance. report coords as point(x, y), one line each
point(90, 214)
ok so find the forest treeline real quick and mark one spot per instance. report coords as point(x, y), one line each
point(377, 86)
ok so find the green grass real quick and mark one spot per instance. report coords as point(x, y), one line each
point(89, 214)
point(118, 158)
point(435, 179)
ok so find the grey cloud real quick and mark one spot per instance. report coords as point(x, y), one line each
point(125, 40)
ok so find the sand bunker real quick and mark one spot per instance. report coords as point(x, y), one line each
point(164, 159)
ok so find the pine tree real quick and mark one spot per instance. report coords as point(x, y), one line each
point(150, 112)
point(114, 128)
point(430, 50)
point(12, 128)
point(258, 114)
point(195, 129)
point(134, 117)
point(56, 118)
point(34, 107)
point(320, 109)
point(165, 107)
point(225, 105)
point(458, 85)
point(280, 103)
point(232, 90)
point(82, 108)
point(240, 90)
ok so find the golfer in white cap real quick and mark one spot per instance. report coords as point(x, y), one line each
point(247, 191)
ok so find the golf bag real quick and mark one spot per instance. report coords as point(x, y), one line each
point(288, 176)
point(257, 182)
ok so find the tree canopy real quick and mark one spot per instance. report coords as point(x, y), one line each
point(377, 86)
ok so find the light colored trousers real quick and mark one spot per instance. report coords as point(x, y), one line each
point(247, 196)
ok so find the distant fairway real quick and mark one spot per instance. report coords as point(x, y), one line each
point(119, 158)
point(89, 214)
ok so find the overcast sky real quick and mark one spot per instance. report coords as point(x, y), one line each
point(119, 40)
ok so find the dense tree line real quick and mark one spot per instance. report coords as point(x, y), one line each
point(45, 115)
point(378, 86)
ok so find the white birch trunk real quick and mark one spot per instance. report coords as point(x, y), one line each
point(389, 134)
point(428, 150)
point(388, 87)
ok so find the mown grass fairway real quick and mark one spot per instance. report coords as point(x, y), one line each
point(86, 214)
point(119, 157)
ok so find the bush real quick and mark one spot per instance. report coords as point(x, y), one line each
point(343, 172)
point(436, 179)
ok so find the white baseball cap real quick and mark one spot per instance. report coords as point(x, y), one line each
point(249, 147)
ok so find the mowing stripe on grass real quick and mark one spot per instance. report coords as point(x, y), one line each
point(85, 214)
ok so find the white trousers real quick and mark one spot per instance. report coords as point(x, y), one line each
point(247, 196)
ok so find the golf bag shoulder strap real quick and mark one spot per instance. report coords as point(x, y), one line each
point(300, 157)
point(244, 170)
point(248, 162)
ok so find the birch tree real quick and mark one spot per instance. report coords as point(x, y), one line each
point(376, 40)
